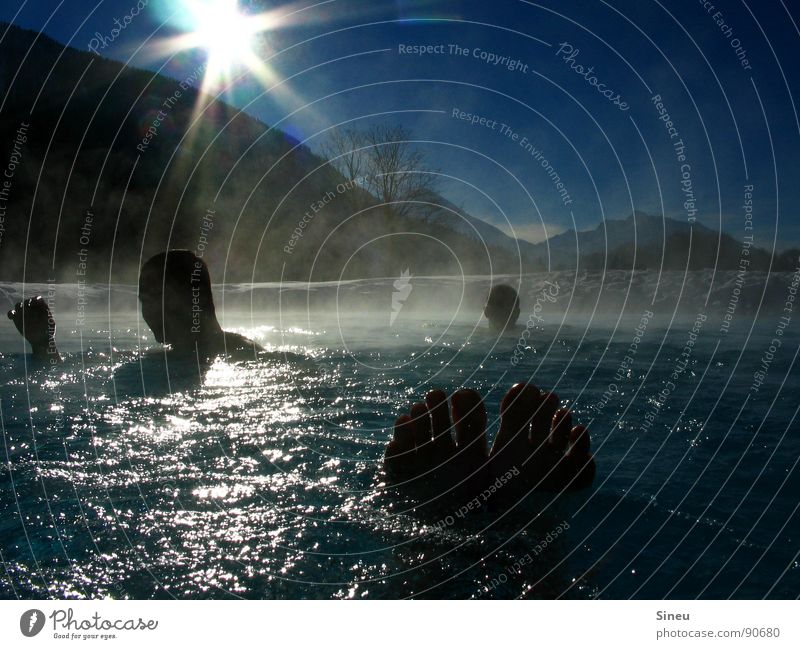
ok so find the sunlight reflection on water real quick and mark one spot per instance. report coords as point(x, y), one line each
point(261, 478)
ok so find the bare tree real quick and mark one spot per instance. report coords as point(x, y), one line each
point(385, 161)
point(346, 149)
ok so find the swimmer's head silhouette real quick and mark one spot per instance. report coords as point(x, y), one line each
point(177, 304)
point(502, 307)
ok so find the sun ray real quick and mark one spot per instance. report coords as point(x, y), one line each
point(227, 35)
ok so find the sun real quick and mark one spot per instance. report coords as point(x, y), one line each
point(224, 32)
point(238, 46)
point(227, 35)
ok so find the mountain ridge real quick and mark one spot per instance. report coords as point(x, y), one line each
point(93, 113)
point(89, 201)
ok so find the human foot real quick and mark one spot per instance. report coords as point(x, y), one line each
point(536, 439)
point(424, 439)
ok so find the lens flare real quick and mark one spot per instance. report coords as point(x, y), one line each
point(227, 35)
point(224, 32)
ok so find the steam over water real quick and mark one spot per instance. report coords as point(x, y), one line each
point(128, 473)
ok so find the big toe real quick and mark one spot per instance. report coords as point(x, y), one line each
point(517, 396)
point(511, 446)
point(519, 405)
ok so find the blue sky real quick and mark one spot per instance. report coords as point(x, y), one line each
point(724, 71)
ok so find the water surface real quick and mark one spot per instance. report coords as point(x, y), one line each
point(130, 474)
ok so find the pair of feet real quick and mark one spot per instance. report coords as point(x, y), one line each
point(536, 448)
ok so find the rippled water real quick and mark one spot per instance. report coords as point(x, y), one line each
point(131, 474)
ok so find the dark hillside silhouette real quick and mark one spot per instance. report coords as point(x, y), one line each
point(109, 169)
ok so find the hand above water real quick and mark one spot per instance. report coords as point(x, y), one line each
point(35, 322)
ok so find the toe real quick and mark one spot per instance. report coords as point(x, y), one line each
point(404, 432)
point(519, 403)
point(469, 417)
point(511, 448)
point(542, 466)
point(579, 442)
point(436, 400)
point(543, 419)
point(443, 445)
point(423, 436)
point(560, 430)
point(580, 463)
point(422, 423)
point(399, 455)
point(469, 468)
point(516, 413)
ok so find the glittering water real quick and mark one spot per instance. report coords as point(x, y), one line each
point(128, 473)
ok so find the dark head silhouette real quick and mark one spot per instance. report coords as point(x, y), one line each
point(502, 307)
point(177, 304)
